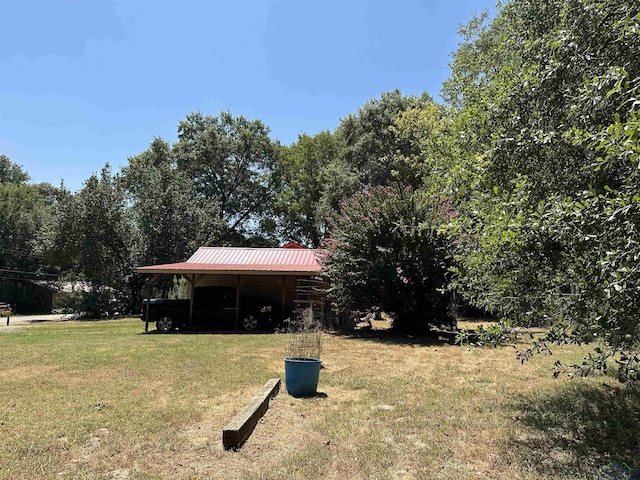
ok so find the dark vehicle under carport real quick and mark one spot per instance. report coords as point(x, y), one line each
point(214, 308)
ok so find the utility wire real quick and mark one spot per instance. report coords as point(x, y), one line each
point(22, 272)
point(17, 279)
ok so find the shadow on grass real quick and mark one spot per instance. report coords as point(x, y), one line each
point(397, 338)
point(101, 319)
point(577, 431)
point(317, 395)
point(208, 332)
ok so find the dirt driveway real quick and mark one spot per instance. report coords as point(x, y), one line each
point(20, 319)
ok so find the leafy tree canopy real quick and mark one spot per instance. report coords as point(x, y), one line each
point(544, 106)
point(172, 220)
point(10, 172)
point(385, 142)
point(232, 161)
point(91, 238)
point(307, 186)
point(25, 210)
point(371, 147)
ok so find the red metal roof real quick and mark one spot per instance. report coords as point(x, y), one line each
point(245, 260)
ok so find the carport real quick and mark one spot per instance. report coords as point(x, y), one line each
point(274, 270)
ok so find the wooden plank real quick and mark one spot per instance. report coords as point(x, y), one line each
point(241, 426)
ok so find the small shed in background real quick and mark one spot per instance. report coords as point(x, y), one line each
point(28, 296)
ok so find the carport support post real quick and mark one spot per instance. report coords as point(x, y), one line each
point(191, 280)
point(192, 291)
point(152, 280)
point(237, 300)
point(284, 290)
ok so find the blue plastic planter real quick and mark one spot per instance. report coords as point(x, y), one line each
point(301, 375)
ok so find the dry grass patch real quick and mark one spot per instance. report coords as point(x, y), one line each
point(100, 400)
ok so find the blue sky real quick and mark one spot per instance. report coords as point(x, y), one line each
point(85, 82)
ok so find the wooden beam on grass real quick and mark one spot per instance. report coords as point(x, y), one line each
point(241, 426)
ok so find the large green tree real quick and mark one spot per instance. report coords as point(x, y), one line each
point(25, 211)
point(543, 99)
point(171, 220)
point(92, 238)
point(372, 149)
point(307, 186)
point(232, 161)
point(426, 161)
point(377, 145)
point(11, 172)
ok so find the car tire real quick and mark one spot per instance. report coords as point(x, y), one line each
point(165, 324)
point(250, 322)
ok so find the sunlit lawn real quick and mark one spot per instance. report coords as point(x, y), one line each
point(104, 400)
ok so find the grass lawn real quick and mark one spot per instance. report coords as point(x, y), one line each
point(104, 400)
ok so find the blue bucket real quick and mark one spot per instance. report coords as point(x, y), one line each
point(301, 375)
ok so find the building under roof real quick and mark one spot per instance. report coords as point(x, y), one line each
point(277, 271)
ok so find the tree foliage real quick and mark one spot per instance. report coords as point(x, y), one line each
point(25, 210)
point(232, 161)
point(309, 183)
point(11, 172)
point(171, 220)
point(377, 145)
point(544, 102)
point(371, 147)
point(386, 254)
point(426, 161)
point(91, 238)
point(21, 210)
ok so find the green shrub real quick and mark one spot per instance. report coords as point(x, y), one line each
point(386, 254)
